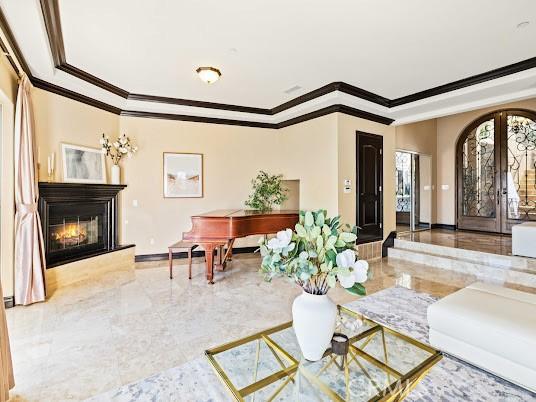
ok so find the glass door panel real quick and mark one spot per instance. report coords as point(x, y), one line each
point(478, 172)
point(478, 179)
point(519, 184)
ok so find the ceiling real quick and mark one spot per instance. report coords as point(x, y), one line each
point(390, 48)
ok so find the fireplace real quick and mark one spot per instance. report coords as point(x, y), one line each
point(78, 220)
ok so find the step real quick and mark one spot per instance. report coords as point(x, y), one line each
point(497, 260)
point(481, 271)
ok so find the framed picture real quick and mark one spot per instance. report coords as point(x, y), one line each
point(183, 175)
point(83, 164)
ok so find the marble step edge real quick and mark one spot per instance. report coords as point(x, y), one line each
point(495, 260)
point(480, 271)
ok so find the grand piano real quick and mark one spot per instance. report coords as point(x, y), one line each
point(219, 229)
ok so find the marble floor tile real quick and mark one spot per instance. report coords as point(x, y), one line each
point(114, 329)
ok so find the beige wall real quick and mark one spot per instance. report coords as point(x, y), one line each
point(421, 137)
point(232, 157)
point(62, 120)
point(347, 127)
point(8, 90)
point(449, 129)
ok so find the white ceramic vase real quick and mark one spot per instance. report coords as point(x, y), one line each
point(314, 318)
point(116, 174)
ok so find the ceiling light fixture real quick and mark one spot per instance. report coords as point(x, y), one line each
point(523, 24)
point(208, 74)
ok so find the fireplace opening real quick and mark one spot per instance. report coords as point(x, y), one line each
point(75, 229)
point(73, 232)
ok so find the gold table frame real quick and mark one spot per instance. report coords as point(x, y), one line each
point(396, 391)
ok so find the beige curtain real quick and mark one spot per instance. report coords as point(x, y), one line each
point(29, 252)
point(6, 369)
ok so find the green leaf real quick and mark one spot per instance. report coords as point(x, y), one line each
point(330, 242)
point(358, 289)
point(326, 231)
point(332, 280)
point(320, 219)
point(331, 256)
point(319, 243)
point(309, 220)
point(340, 243)
point(347, 237)
point(300, 230)
point(315, 232)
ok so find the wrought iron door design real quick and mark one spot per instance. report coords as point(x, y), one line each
point(497, 172)
point(520, 181)
point(478, 172)
point(403, 181)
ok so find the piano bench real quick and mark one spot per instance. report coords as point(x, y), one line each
point(181, 246)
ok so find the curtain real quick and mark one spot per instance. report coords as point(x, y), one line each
point(29, 251)
point(6, 369)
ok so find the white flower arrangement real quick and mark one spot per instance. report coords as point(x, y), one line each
point(316, 255)
point(118, 149)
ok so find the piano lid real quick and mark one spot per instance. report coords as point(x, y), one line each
point(237, 213)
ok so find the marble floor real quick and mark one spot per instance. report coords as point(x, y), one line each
point(120, 327)
point(476, 241)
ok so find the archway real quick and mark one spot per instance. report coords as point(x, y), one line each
point(496, 171)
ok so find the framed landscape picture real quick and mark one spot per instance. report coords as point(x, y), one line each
point(183, 175)
point(83, 164)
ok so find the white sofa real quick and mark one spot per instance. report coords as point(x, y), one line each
point(491, 327)
point(524, 239)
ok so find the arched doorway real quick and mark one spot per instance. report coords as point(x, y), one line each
point(496, 171)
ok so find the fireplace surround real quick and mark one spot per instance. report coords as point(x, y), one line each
point(78, 220)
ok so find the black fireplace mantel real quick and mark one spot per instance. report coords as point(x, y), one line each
point(78, 190)
point(72, 197)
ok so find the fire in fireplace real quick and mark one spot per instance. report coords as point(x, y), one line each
point(74, 232)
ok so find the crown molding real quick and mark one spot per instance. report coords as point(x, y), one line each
point(51, 15)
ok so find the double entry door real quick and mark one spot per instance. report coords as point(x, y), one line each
point(496, 172)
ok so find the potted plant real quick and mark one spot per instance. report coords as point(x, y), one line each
point(116, 151)
point(267, 192)
point(317, 255)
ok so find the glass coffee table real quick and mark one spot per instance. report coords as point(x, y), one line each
point(381, 365)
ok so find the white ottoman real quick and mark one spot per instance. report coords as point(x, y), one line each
point(491, 327)
point(524, 239)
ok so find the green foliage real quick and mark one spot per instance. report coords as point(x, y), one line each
point(267, 192)
point(308, 255)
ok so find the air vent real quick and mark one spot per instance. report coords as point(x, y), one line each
point(292, 89)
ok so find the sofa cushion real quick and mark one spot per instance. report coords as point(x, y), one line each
point(497, 321)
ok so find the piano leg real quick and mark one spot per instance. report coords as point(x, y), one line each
point(209, 255)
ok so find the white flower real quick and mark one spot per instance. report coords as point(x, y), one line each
point(282, 240)
point(102, 141)
point(123, 150)
point(346, 259)
point(122, 140)
point(360, 271)
point(347, 280)
point(116, 144)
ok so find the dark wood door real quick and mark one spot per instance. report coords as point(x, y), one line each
point(496, 171)
point(369, 163)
